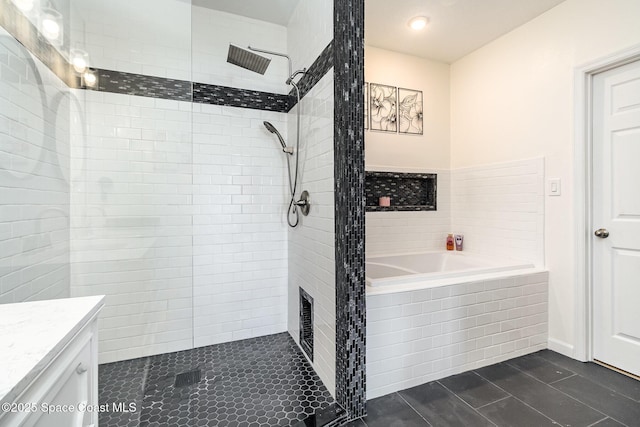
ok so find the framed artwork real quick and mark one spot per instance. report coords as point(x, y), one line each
point(366, 105)
point(410, 111)
point(383, 108)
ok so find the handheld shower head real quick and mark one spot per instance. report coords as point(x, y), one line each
point(271, 128)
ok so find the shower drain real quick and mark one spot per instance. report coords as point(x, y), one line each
point(187, 378)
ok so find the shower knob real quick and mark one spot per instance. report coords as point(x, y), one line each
point(303, 203)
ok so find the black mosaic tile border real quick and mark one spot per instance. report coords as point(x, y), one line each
point(315, 73)
point(243, 98)
point(19, 26)
point(408, 191)
point(348, 35)
point(159, 87)
point(142, 85)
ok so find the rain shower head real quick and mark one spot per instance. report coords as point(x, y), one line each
point(271, 128)
point(247, 60)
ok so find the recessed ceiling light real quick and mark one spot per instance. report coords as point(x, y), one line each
point(419, 22)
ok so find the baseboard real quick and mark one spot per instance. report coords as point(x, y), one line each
point(560, 347)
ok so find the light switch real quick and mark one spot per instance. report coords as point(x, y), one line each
point(554, 187)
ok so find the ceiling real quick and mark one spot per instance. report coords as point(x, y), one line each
point(456, 28)
point(274, 11)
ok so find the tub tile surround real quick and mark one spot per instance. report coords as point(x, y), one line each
point(499, 208)
point(422, 335)
point(392, 232)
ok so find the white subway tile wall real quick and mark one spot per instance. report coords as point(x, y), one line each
point(239, 229)
point(135, 36)
point(312, 243)
point(310, 30)
point(500, 209)
point(402, 232)
point(131, 221)
point(155, 226)
point(213, 31)
point(423, 335)
point(34, 170)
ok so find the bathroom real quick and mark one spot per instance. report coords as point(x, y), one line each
point(137, 164)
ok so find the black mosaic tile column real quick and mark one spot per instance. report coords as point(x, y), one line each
point(348, 47)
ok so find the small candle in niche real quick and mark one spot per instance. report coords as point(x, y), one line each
point(384, 201)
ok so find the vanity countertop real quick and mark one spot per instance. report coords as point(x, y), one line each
point(32, 334)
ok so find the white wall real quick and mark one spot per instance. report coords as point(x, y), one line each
point(499, 209)
point(402, 232)
point(514, 99)
point(430, 150)
point(131, 221)
point(148, 37)
point(213, 31)
point(178, 208)
point(312, 243)
point(239, 228)
point(309, 31)
point(34, 172)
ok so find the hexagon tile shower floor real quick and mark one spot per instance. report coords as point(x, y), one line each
point(263, 381)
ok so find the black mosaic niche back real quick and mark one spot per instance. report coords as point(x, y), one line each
point(408, 191)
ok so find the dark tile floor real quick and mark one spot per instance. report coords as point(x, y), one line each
point(262, 381)
point(540, 389)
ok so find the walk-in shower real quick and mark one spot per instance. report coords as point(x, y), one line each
point(249, 60)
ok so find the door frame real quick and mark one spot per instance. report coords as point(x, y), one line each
point(583, 189)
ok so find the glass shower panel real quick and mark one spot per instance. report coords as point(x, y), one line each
point(34, 170)
point(240, 232)
point(131, 174)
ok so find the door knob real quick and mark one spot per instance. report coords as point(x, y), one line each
point(602, 233)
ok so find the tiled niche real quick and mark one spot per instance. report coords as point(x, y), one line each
point(408, 191)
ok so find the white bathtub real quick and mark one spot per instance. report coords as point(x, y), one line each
point(428, 268)
point(435, 314)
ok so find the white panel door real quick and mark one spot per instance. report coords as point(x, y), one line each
point(616, 210)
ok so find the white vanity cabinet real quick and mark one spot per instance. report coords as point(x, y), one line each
point(54, 382)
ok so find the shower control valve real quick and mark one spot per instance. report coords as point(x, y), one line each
point(304, 203)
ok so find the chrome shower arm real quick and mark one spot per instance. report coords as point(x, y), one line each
point(268, 52)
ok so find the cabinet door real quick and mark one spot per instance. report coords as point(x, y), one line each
point(72, 388)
